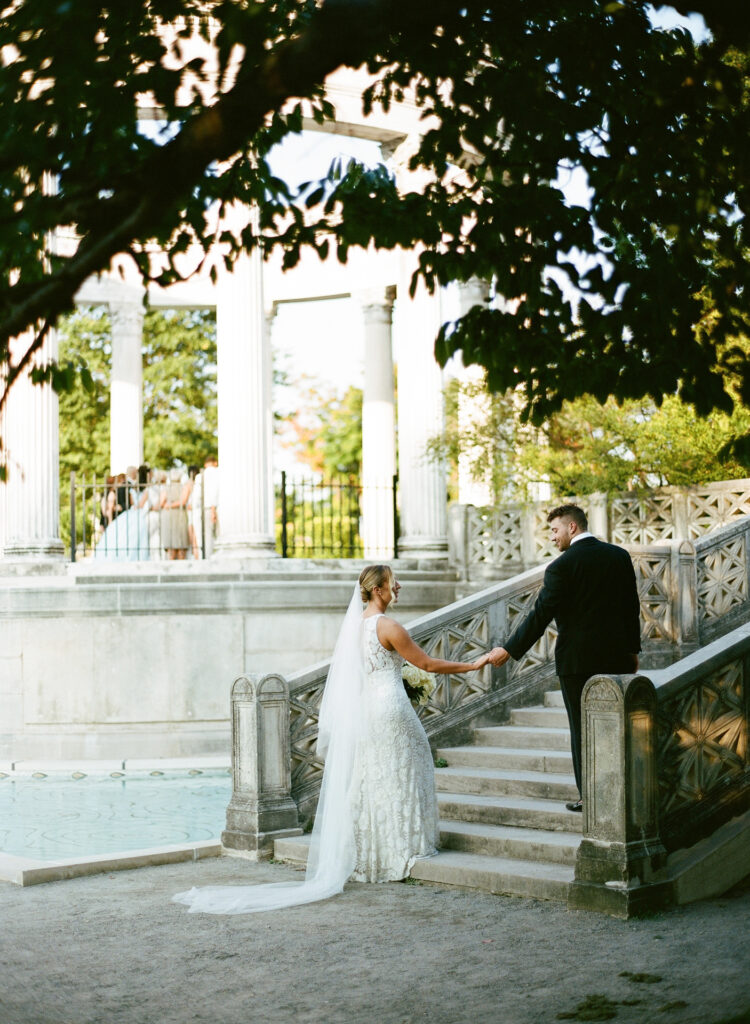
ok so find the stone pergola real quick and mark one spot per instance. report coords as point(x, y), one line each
point(245, 300)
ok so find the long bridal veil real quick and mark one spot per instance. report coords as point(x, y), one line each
point(332, 856)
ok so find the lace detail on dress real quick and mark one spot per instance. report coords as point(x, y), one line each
point(395, 805)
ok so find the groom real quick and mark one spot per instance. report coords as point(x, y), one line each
point(590, 592)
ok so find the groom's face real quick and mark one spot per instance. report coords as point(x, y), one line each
point(561, 533)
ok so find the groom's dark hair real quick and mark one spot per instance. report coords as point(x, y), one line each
point(570, 512)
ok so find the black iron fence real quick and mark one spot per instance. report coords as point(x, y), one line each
point(108, 519)
point(126, 520)
point(324, 518)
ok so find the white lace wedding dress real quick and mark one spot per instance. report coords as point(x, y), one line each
point(377, 811)
point(393, 787)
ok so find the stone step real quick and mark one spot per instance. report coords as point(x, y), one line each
point(520, 811)
point(506, 841)
point(554, 699)
point(531, 760)
point(497, 875)
point(293, 850)
point(522, 736)
point(501, 782)
point(471, 837)
point(548, 718)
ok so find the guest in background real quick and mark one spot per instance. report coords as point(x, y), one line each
point(151, 501)
point(108, 502)
point(195, 524)
point(174, 525)
point(121, 494)
point(211, 502)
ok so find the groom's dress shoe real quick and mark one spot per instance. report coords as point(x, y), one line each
point(575, 805)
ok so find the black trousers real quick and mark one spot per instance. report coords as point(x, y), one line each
point(572, 690)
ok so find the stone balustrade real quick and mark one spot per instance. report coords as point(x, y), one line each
point(666, 767)
point(500, 541)
point(690, 592)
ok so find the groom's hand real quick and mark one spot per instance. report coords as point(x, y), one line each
point(498, 656)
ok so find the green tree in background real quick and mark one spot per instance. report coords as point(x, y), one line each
point(179, 387)
point(326, 435)
point(85, 340)
point(179, 390)
point(589, 446)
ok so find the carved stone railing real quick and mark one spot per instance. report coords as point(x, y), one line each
point(689, 593)
point(501, 541)
point(665, 764)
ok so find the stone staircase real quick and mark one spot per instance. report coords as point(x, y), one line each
point(504, 825)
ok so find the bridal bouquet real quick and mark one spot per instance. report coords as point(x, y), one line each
point(419, 685)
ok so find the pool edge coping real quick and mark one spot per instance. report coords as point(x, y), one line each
point(25, 871)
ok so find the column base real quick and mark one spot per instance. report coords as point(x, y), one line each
point(33, 558)
point(424, 548)
point(242, 547)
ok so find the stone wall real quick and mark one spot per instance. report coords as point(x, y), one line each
point(95, 668)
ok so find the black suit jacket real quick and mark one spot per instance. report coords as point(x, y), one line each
point(590, 592)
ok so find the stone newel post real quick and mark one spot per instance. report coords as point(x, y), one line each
point(621, 849)
point(261, 809)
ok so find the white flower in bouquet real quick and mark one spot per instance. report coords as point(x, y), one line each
point(419, 685)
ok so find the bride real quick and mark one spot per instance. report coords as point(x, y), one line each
point(377, 812)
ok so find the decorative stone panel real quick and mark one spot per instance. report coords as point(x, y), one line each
point(722, 578)
point(702, 738)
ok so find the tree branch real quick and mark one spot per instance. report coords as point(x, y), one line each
point(341, 32)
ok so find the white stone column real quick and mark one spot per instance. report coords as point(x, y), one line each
point(246, 498)
point(378, 425)
point(31, 496)
point(422, 480)
point(126, 393)
point(471, 410)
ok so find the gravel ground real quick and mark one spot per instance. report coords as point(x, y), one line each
point(113, 949)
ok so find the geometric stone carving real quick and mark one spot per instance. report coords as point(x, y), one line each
point(495, 536)
point(722, 578)
point(543, 651)
point(702, 738)
point(642, 519)
point(653, 576)
point(307, 768)
point(714, 506)
point(463, 639)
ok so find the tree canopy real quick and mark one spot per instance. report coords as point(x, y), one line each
point(179, 386)
point(326, 434)
point(639, 288)
point(587, 446)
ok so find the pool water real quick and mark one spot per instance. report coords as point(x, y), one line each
point(58, 818)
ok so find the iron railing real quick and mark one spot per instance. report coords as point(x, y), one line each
point(318, 518)
point(314, 518)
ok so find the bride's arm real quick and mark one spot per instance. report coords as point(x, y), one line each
point(395, 638)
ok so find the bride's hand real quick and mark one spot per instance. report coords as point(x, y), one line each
point(480, 662)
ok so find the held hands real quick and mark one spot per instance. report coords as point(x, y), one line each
point(479, 663)
point(498, 656)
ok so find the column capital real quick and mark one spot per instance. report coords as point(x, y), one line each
point(376, 303)
point(126, 314)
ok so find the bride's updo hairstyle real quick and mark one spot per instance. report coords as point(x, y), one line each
point(373, 576)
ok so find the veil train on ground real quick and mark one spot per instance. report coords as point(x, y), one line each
point(332, 857)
